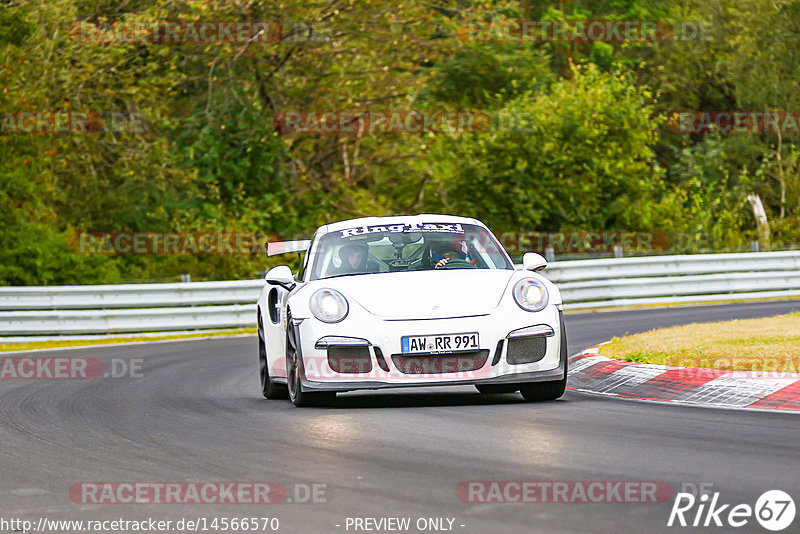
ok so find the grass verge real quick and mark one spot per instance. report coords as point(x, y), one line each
point(769, 344)
point(8, 347)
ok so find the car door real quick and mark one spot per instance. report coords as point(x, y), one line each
point(274, 320)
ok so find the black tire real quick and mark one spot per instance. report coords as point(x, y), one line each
point(554, 389)
point(294, 371)
point(543, 391)
point(269, 389)
point(496, 389)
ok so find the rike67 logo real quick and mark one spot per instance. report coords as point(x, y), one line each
point(774, 510)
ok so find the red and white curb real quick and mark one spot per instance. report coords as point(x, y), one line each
point(763, 390)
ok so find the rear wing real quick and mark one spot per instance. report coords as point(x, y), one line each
point(287, 247)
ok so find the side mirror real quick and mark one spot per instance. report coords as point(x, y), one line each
point(532, 261)
point(281, 276)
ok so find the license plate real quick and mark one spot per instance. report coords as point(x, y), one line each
point(441, 344)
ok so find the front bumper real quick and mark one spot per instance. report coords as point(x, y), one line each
point(536, 376)
point(383, 339)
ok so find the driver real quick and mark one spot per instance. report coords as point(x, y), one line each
point(443, 252)
point(354, 259)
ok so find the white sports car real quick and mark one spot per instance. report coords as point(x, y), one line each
point(424, 300)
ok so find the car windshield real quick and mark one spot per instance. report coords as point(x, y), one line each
point(406, 247)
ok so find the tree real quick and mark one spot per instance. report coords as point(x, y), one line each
point(578, 156)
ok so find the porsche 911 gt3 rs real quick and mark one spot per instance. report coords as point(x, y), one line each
point(423, 300)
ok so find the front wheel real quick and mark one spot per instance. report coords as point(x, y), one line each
point(543, 391)
point(269, 389)
point(294, 371)
point(554, 389)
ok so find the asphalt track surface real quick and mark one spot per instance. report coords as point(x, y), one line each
point(197, 414)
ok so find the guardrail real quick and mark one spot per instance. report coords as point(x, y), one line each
point(129, 295)
point(676, 279)
point(109, 309)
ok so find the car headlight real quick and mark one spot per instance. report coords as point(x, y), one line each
point(329, 306)
point(530, 294)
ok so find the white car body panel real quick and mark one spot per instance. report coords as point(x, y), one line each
point(426, 294)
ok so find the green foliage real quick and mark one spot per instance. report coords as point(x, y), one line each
point(778, 182)
point(14, 27)
point(568, 147)
point(706, 208)
point(482, 76)
point(638, 357)
point(578, 156)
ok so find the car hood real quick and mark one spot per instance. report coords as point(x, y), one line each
point(434, 294)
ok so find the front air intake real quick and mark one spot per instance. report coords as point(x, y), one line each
point(354, 360)
point(528, 349)
point(440, 364)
